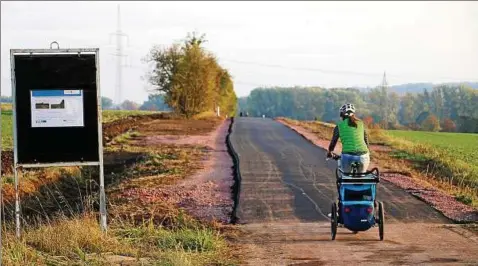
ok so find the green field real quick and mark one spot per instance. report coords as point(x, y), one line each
point(7, 127)
point(7, 123)
point(458, 145)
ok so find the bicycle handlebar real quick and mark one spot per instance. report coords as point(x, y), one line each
point(333, 157)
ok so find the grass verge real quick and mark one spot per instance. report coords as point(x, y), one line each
point(79, 241)
point(454, 174)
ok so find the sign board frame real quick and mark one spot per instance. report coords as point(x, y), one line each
point(58, 163)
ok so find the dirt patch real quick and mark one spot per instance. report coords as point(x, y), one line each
point(209, 188)
point(118, 127)
point(206, 194)
point(179, 132)
point(184, 127)
point(439, 200)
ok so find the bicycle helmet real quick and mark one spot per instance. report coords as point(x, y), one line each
point(347, 109)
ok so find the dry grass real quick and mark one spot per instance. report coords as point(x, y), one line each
point(205, 115)
point(79, 241)
point(321, 129)
point(31, 181)
point(6, 106)
point(62, 242)
point(74, 237)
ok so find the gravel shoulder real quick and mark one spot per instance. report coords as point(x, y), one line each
point(206, 194)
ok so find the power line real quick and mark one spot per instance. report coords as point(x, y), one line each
point(329, 71)
point(302, 68)
point(264, 85)
point(337, 72)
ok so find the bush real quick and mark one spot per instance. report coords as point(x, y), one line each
point(431, 123)
point(448, 125)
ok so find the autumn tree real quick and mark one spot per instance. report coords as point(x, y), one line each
point(129, 105)
point(431, 123)
point(165, 61)
point(368, 121)
point(195, 81)
point(448, 125)
point(191, 79)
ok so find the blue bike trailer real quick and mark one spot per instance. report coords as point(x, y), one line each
point(357, 210)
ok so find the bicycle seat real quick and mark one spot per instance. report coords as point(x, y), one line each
point(373, 172)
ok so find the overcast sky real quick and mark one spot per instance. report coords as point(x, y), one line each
point(263, 43)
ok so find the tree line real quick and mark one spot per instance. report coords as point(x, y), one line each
point(155, 102)
point(452, 108)
point(190, 79)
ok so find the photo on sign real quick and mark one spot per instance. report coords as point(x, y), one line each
point(57, 108)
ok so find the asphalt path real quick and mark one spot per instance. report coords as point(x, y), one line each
point(285, 177)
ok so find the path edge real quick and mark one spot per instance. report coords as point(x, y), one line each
point(236, 187)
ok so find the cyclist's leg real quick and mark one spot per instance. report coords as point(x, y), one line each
point(364, 162)
point(344, 165)
point(337, 174)
point(345, 161)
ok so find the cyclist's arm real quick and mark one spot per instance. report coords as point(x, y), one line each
point(334, 140)
point(365, 138)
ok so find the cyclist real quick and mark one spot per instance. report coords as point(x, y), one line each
point(353, 136)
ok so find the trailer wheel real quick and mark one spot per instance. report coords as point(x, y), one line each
point(381, 218)
point(333, 221)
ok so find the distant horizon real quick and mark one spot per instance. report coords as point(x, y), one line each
point(316, 86)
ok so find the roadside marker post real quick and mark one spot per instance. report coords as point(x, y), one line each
point(56, 113)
